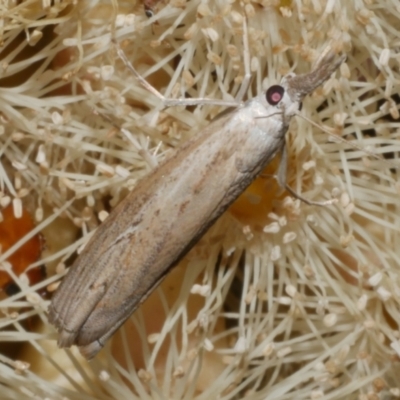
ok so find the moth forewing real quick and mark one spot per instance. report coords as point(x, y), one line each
point(168, 211)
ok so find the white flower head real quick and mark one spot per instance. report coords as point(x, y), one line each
point(78, 131)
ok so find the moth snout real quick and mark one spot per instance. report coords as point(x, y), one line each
point(299, 86)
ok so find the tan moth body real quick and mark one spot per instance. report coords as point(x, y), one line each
point(168, 211)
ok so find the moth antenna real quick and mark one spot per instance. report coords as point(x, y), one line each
point(168, 102)
point(246, 62)
point(347, 142)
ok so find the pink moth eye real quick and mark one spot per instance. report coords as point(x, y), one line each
point(274, 94)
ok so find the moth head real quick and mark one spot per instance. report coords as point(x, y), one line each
point(278, 96)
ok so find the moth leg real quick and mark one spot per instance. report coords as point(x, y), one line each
point(281, 178)
point(246, 62)
point(167, 102)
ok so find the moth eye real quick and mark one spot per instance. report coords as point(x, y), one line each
point(300, 106)
point(274, 94)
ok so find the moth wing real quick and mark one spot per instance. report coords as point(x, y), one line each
point(102, 290)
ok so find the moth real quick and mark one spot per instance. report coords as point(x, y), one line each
point(168, 211)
